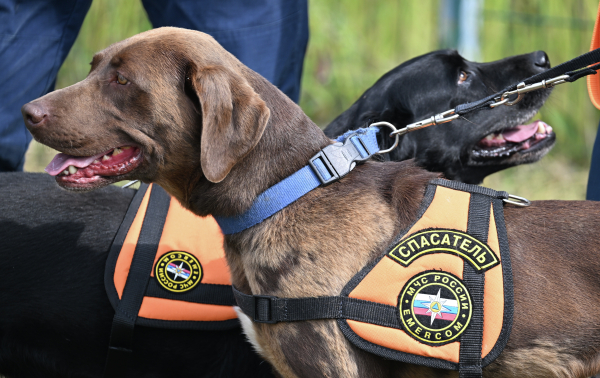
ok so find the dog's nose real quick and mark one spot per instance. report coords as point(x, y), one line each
point(34, 114)
point(540, 59)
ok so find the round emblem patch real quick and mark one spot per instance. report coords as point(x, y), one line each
point(435, 307)
point(178, 271)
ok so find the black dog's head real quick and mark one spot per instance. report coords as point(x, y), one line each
point(471, 147)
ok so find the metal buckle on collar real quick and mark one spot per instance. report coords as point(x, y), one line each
point(338, 159)
point(263, 309)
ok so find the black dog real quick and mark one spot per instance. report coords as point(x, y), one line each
point(465, 149)
point(56, 317)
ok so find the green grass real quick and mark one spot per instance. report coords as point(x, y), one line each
point(352, 43)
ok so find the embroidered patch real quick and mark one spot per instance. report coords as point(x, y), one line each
point(435, 307)
point(476, 253)
point(178, 271)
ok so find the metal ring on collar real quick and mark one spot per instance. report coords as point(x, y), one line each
point(393, 130)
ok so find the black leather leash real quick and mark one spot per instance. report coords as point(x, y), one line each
point(575, 69)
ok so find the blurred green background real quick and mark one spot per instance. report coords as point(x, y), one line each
point(353, 43)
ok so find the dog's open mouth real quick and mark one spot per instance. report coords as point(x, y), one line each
point(81, 172)
point(523, 138)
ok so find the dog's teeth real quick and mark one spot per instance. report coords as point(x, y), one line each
point(126, 148)
point(105, 157)
point(72, 169)
point(500, 136)
point(96, 161)
point(117, 151)
point(65, 172)
point(489, 137)
point(541, 129)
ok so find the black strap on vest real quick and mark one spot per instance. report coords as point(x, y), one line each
point(471, 340)
point(121, 334)
point(268, 309)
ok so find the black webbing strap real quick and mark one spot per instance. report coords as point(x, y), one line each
point(471, 340)
point(470, 188)
point(570, 67)
point(121, 334)
point(267, 309)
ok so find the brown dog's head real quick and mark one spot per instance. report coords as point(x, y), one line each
point(167, 106)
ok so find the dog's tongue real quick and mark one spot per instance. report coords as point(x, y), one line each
point(521, 132)
point(62, 161)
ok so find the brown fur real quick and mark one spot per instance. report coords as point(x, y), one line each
point(215, 135)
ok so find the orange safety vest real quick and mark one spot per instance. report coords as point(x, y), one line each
point(440, 296)
point(593, 81)
point(447, 275)
point(187, 282)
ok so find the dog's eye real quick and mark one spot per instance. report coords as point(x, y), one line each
point(121, 79)
point(462, 77)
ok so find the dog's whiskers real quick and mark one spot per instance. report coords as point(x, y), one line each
point(471, 122)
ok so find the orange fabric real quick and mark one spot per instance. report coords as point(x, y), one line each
point(183, 231)
point(383, 284)
point(200, 236)
point(126, 255)
point(443, 211)
point(167, 309)
point(593, 81)
point(398, 340)
point(386, 280)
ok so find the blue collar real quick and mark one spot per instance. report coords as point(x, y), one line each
point(328, 165)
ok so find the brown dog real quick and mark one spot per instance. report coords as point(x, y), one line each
point(171, 106)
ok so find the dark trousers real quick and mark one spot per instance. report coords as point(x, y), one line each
point(269, 36)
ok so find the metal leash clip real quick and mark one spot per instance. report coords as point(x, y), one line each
point(450, 115)
point(447, 116)
point(522, 88)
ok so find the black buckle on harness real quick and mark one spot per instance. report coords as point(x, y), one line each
point(339, 159)
point(263, 309)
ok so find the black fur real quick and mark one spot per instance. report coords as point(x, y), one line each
point(427, 85)
point(55, 316)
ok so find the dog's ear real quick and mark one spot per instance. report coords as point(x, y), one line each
point(233, 119)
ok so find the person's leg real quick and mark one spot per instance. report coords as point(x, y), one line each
point(35, 38)
point(269, 36)
point(593, 185)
